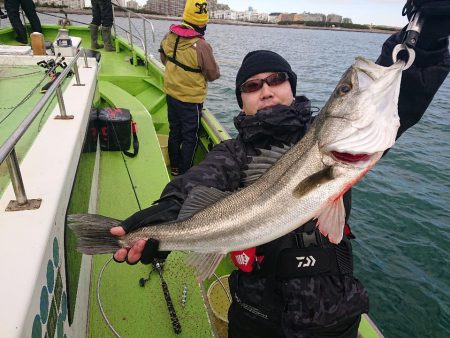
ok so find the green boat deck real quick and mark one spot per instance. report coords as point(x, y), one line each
point(132, 310)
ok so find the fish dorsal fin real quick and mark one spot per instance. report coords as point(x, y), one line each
point(199, 198)
point(261, 163)
point(331, 220)
point(204, 264)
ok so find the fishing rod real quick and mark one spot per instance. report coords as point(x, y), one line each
point(60, 17)
point(172, 313)
point(158, 266)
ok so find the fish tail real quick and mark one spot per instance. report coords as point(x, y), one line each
point(93, 233)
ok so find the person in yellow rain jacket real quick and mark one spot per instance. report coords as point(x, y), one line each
point(190, 64)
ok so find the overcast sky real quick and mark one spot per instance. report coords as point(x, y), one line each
point(379, 12)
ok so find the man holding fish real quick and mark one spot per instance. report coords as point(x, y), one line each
point(287, 232)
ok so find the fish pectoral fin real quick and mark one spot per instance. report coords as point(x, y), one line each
point(331, 220)
point(313, 181)
point(199, 198)
point(204, 264)
point(261, 163)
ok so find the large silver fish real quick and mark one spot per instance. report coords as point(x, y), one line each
point(350, 134)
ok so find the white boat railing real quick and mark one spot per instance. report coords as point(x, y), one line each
point(7, 150)
point(129, 32)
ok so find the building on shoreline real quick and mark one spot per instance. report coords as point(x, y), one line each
point(165, 7)
point(72, 4)
point(173, 7)
point(132, 5)
point(334, 18)
point(251, 15)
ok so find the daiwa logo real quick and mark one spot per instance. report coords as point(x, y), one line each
point(242, 259)
point(305, 261)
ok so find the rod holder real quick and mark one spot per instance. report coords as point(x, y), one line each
point(62, 107)
point(21, 202)
point(77, 75)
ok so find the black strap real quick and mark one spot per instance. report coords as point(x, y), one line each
point(135, 143)
point(174, 60)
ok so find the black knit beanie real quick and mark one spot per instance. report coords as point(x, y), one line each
point(263, 61)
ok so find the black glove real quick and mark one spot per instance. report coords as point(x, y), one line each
point(436, 25)
point(162, 211)
point(426, 7)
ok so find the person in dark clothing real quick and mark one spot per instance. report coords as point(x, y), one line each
point(102, 15)
point(12, 7)
point(2, 14)
point(266, 301)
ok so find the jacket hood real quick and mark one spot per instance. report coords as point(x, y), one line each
point(183, 43)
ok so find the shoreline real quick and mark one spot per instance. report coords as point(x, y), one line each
point(216, 21)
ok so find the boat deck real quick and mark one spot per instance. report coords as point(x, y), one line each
point(136, 311)
point(125, 185)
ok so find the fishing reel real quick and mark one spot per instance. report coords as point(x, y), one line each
point(52, 65)
point(157, 265)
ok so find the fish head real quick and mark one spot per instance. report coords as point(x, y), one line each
point(360, 119)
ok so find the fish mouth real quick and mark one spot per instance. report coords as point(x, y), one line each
point(350, 158)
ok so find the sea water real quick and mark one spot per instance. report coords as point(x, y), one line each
point(400, 213)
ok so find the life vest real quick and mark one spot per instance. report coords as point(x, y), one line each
point(183, 32)
point(183, 79)
point(304, 252)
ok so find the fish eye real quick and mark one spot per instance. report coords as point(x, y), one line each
point(344, 89)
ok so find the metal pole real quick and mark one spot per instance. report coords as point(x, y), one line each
point(62, 107)
point(25, 24)
point(77, 75)
point(131, 32)
point(86, 65)
point(16, 178)
point(145, 46)
point(114, 21)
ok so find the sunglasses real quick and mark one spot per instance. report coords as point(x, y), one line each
point(272, 80)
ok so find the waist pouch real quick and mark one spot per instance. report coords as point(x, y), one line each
point(115, 128)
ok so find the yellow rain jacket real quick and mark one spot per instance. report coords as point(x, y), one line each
point(189, 65)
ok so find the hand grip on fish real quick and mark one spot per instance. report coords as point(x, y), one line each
point(358, 123)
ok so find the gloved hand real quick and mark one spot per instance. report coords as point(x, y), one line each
point(145, 251)
point(436, 25)
point(427, 7)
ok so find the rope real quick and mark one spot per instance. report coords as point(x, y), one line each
point(25, 99)
point(60, 17)
point(18, 75)
point(99, 301)
point(28, 96)
point(223, 287)
point(126, 167)
point(105, 318)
